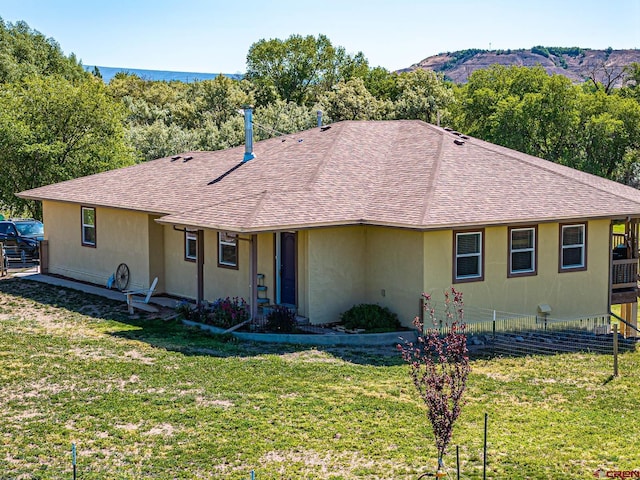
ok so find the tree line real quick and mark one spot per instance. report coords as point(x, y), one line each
point(59, 122)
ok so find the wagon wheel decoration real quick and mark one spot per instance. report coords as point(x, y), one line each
point(122, 276)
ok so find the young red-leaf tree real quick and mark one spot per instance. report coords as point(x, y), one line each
point(439, 364)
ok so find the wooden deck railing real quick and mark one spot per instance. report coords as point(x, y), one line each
point(624, 273)
point(618, 239)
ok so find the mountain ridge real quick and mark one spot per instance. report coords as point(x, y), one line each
point(578, 64)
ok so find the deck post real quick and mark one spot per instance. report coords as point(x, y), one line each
point(200, 264)
point(615, 349)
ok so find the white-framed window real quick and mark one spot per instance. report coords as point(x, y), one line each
point(227, 250)
point(88, 215)
point(522, 251)
point(469, 258)
point(190, 246)
point(573, 247)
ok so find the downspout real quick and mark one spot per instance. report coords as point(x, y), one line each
point(253, 272)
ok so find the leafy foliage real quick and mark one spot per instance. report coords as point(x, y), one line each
point(25, 52)
point(370, 317)
point(549, 117)
point(224, 312)
point(194, 313)
point(297, 68)
point(53, 130)
point(281, 320)
point(440, 367)
point(352, 101)
point(422, 96)
point(228, 312)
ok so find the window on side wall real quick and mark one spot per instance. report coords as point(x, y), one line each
point(522, 251)
point(573, 247)
point(468, 256)
point(88, 215)
point(190, 246)
point(227, 250)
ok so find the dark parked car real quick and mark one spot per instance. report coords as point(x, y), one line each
point(20, 238)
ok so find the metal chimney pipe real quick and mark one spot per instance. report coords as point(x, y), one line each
point(319, 118)
point(248, 134)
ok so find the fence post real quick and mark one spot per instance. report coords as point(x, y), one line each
point(615, 349)
point(73, 460)
point(494, 324)
point(484, 453)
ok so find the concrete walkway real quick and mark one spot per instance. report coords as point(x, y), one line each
point(33, 275)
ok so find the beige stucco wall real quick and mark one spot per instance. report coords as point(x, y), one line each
point(156, 253)
point(570, 294)
point(336, 263)
point(219, 282)
point(336, 267)
point(180, 275)
point(351, 265)
point(394, 270)
point(121, 237)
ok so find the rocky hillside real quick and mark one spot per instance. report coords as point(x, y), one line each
point(576, 63)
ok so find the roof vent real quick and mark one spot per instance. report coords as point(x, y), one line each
point(175, 157)
point(458, 142)
point(448, 129)
point(186, 159)
point(248, 134)
point(324, 129)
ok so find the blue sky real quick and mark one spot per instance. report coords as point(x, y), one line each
point(215, 36)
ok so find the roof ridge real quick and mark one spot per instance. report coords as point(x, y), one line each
point(534, 161)
point(250, 219)
point(327, 156)
point(432, 181)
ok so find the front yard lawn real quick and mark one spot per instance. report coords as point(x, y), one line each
point(154, 399)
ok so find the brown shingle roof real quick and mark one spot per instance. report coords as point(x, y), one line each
point(402, 173)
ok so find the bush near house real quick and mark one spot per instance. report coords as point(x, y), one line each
point(370, 317)
point(227, 312)
point(281, 320)
point(224, 312)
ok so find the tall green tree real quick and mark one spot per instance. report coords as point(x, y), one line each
point(610, 136)
point(547, 116)
point(53, 130)
point(631, 84)
point(423, 95)
point(25, 52)
point(299, 68)
point(351, 100)
point(521, 108)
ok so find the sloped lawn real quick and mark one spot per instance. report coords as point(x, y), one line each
point(153, 399)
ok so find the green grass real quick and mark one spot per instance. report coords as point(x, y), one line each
point(153, 399)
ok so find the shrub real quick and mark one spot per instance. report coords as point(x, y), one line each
point(227, 312)
point(440, 367)
point(188, 311)
point(371, 317)
point(281, 319)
